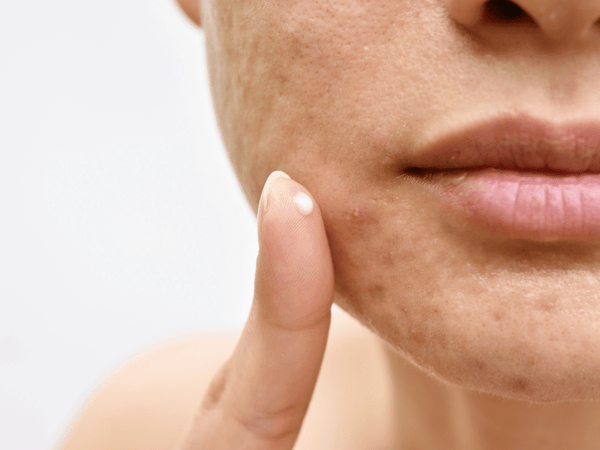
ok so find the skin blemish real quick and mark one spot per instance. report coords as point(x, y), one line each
point(376, 291)
point(360, 218)
point(362, 215)
point(387, 259)
point(519, 384)
point(545, 304)
point(530, 361)
point(362, 211)
point(477, 364)
point(416, 333)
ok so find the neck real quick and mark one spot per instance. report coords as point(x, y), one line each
point(432, 415)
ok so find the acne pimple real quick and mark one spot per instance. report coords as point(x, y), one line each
point(519, 384)
point(376, 291)
point(362, 213)
point(388, 259)
point(546, 304)
point(480, 365)
point(416, 333)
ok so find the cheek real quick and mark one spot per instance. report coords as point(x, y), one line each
point(383, 267)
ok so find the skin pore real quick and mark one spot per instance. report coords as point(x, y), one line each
point(342, 95)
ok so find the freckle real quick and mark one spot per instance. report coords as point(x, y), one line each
point(519, 384)
point(387, 259)
point(530, 362)
point(442, 340)
point(545, 304)
point(498, 316)
point(480, 365)
point(376, 291)
point(416, 334)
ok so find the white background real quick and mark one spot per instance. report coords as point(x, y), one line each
point(121, 221)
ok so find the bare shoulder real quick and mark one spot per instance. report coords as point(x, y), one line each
point(151, 400)
point(148, 403)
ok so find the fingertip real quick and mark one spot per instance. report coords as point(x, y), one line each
point(288, 208)
point(303, 203)
point(264, 197)
point(294, 257)
point(278, 174)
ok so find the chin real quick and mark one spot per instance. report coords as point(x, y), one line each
point(513, 319)
point(507, 355)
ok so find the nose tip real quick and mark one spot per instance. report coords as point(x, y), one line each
point(558, 20)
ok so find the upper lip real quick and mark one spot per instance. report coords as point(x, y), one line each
point(518, 143)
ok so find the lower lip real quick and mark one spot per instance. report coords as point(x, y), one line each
point(534, 206)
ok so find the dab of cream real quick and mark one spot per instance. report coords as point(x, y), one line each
point(304, 203)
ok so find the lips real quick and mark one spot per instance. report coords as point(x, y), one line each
point(518, 143)
point(518, 177)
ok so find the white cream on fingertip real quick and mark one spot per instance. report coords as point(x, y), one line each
point(304, 203)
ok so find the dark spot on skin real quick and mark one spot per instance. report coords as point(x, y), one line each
point(340, 254)
point(442, 340)
point(498, 316)
point(519, 384)
point(530, 361)
point(416, 334)
point(479, 365)
point(545, 304)
point(376, 291)
point(387, 259)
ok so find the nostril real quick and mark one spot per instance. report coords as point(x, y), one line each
point(503, 12)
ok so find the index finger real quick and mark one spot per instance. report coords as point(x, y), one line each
point(261, 395)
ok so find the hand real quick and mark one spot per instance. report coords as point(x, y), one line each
point(259, 398)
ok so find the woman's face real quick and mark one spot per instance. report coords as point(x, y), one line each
point(345, 95)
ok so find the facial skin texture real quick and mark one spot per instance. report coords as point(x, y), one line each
point(340, 94)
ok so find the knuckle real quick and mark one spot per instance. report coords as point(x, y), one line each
point(214, 393)
point(271, 426)
point(293, 322)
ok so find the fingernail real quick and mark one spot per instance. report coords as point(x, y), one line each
point(265, 194)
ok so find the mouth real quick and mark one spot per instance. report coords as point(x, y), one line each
point(518, 177)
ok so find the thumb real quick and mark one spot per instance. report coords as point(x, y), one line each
point(261, 395)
